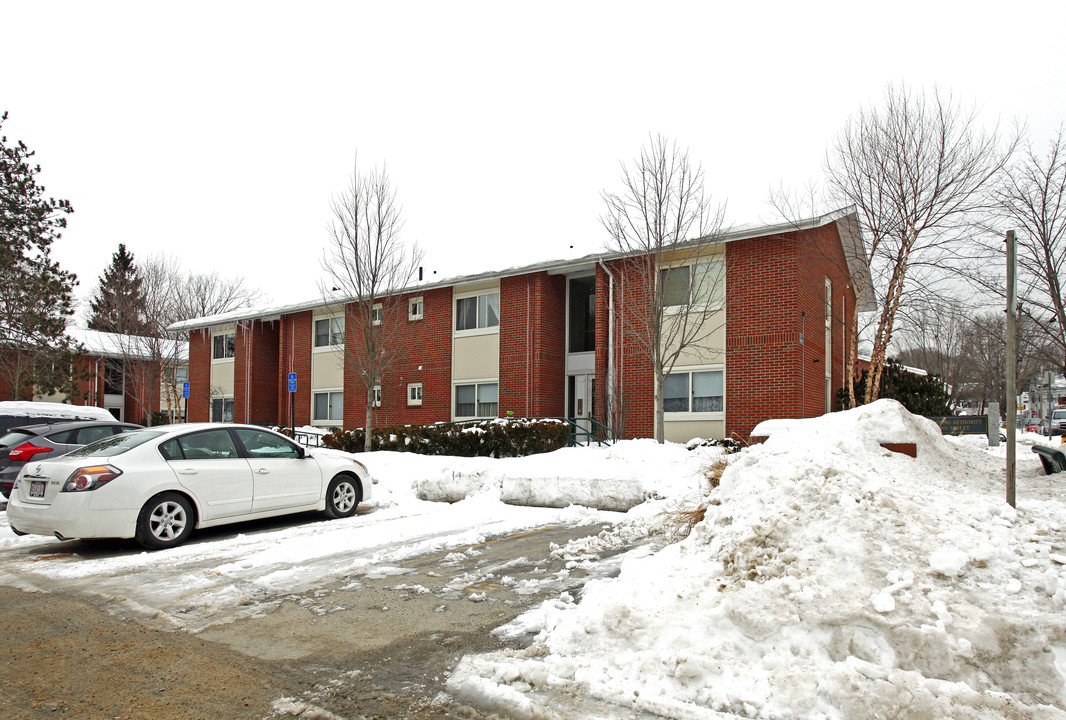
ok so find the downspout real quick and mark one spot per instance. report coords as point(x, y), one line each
point(610, 395)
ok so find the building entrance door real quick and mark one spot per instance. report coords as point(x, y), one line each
point(581, 391)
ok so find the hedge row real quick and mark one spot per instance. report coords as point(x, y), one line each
point(503, 437)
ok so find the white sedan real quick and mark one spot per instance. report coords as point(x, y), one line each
point(157, 484)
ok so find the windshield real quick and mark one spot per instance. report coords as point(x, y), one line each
point(116, 444)
point(1057, 415)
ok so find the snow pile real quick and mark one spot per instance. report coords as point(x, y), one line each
point(615, 478)
point(16, 408)
point(833, 579)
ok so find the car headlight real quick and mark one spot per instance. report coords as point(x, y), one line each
point(90, 478)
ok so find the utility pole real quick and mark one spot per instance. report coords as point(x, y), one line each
point(1012, 367)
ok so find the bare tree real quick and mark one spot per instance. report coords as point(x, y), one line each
point(917, 171)
point(370, 269)
point(1033, 198)
point(666, 232)
point(933, 334)
point(170, 295)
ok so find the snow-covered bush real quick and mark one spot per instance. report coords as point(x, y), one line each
point(503, 437)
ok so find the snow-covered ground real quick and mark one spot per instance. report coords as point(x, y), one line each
point(830, 578)
point(227, 573)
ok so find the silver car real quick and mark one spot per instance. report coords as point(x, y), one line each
point(158, 484)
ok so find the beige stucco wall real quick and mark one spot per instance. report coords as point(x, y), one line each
point(327, 369)
point(476, 357)
point(711, 346)
point(684, 430)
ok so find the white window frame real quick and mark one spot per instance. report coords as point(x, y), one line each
point(690, 414)
point(713, 303)
point(377, 314)
point(224, 399)
point(479, 330)
point(330, 335)
point(414, 394)
point(329, 393)
point(477, 385)
point(377, 395)
point(232, 346)
point(415, 308)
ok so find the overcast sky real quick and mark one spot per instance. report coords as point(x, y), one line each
point(218, 132)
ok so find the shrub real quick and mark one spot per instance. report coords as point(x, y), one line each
point(503, 437)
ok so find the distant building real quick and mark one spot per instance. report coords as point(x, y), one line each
point(130, 376)
point(550, 339)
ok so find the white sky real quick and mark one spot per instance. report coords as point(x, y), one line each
point(218, 132)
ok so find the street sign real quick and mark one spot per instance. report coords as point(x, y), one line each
point(185, 390)
point(292, 382)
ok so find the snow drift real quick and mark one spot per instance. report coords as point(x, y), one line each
point(830, 578)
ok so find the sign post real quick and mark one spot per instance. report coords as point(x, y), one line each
point(292, 403)
point(185, 396)
point(1012, 367)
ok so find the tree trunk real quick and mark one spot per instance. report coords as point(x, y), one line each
point(368, 435)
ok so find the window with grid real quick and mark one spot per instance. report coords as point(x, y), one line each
point(477, 312)
point(329, 332)
point(693, 392)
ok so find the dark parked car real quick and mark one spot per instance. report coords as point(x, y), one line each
point(26, 443)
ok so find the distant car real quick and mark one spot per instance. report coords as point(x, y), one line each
point(157, 484)
point(1058, 422)
point(17, 413)
point(22, 444)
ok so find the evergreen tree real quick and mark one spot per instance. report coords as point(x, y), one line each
point(36, 296)
point(920, 394)
point(117, 304)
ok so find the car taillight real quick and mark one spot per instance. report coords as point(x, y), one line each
point(90, 478)
point(26, 451)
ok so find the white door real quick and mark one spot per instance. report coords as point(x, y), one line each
point(208, 464)
point(280, 477)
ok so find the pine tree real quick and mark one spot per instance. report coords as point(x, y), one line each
point(117, 304)
point(920, 394)
point(36, 296)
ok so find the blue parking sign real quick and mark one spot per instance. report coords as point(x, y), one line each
point(292, 382)
point(185, 390)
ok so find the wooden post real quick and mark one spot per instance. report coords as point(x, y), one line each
point(1012, 366)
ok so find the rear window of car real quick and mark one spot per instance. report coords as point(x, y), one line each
point(115, 444)
point(15, 437)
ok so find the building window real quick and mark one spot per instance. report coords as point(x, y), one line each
point(329, 406)
point(377, 395)
point(377, 314)
point(114, 376)
point(414, 393)
point(329, 331)
point(693, 392)
point(175, 376)
point(477, 312)
point(581, 336)
point(414, 309)
point(223, 346)
point(222, 410)
point(701, 284)
point(477, 400)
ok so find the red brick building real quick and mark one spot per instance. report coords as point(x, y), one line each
point(560, 339)
point(130, 376)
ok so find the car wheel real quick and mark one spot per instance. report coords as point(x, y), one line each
point(343, 496)
point(165, 521)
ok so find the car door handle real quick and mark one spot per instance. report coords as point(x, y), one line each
point(263, 471)
point(190, 471)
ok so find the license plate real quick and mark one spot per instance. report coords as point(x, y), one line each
point(37, 489)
